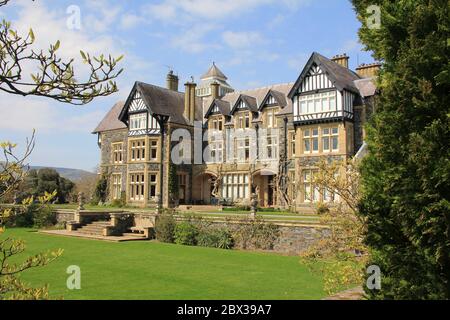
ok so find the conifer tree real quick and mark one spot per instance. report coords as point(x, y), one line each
point(405, 178)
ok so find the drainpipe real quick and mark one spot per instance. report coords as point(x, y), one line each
point(161, 175)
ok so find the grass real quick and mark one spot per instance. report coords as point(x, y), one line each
point(152, 270)
point(90, 207)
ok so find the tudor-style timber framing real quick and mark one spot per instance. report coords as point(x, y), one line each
point(291, 127)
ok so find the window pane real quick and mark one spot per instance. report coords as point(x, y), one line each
point(315, 144)
point(335, 143)
point(326, 144)
point(307, 146)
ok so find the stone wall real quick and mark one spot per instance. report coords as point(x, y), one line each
point(292, 240)
point(298, 238)
point(63, 216)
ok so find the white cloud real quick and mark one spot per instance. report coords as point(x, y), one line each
point(44, 116)
point(130, 20)
point(185, 13)
point(173, 10)
point(103, 16)
point(242, 39)
point(192, 39)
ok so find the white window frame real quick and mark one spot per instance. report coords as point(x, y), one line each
point(137, 186)
point(138, 121)
point(117, 152)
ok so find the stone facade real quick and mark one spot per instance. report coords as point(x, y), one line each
point(279, 181)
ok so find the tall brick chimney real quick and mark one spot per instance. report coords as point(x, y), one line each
point(189, 101)
point(172, 81)
point(368, 70)
point(341, 59)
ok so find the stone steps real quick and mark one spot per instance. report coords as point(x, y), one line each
point(94, 228)
point(134, 235)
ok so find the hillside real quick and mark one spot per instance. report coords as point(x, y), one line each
point(71, 174)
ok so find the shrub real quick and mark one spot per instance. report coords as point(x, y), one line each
point(215, 238)
point(165, 228)
point(322, 209)
point(186, 234)
point(23, 219)
point(120, 203)
point(43, 218)
point(256, 233)
point(101, 190)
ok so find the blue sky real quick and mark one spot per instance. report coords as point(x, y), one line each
point(254, 42)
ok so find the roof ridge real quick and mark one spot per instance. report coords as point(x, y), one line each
point(270, 86)
point(159, 87)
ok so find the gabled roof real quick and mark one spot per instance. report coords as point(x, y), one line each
point(249, 101)
point(260, 94)
point(111, 120)
point(223, 106)
point(279, 97)
point(161, 102)
point(214, 72)
point(342, 77)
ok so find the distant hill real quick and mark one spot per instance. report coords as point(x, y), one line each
point(71, 174)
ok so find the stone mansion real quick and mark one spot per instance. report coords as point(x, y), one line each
point(288, 127)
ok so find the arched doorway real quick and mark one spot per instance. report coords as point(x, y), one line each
point(264, 185)
point(202, 189)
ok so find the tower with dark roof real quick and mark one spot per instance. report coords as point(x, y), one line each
point(213, 76)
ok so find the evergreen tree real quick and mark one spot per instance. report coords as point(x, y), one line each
point(406, 175)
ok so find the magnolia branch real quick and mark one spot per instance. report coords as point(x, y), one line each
point(54, 78)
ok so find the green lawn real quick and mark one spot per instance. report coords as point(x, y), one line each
point(151, 270)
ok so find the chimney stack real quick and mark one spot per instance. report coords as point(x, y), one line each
point(189, 101)
point(368, 70)
point(341, 59)
point(215, 86)
point(172, 81)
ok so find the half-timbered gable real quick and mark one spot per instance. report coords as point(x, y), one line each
point(325, 91)
point(140, 121)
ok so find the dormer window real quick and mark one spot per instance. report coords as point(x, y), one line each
point(138, 121)
point(271, 100)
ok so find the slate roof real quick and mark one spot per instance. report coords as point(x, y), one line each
point(214, 72)
point(224, 107)
point(111, 120)
point(256, 97)
point(163, 102)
